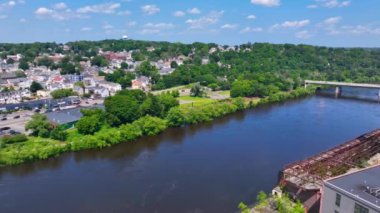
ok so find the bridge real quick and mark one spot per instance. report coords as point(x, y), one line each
point(339, 85)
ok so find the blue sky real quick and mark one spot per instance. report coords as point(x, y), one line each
point(347, 23)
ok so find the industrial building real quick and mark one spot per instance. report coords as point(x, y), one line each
point(357, 192)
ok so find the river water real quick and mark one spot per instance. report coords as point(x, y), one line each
point(201, 168)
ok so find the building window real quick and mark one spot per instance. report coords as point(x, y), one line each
point(360, 209)
point(338, 197)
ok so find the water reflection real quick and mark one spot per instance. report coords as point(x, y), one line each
point(208, 167)
point(124, 151)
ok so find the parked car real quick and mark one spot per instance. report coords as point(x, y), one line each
point(5, 128)
point(16, 117)
point(4, 118)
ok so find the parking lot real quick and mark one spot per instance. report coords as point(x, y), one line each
point(16, 121)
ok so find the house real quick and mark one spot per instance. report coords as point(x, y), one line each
point(205, 61)
point(212, 50)
point(142, 83)
point(16, 57)
point(14, 96)
point(357, 192)
point(98, 92)
point(110, 86)
point(43, 93)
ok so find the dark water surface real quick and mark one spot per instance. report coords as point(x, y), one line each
point(201, 168)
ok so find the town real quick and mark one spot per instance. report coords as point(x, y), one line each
point(60, 84)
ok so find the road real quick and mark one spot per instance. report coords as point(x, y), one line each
point(17, 124)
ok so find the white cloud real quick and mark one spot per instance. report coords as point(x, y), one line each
point(229, 26)
point(330, 3)
point(132, 24)
point(355, 30)
point(11, 3)
point(3, 17)
point(211, 18)
point(332, 21)
point(107, 26)
point(150, 9)
point(43, 11)
point(312, 6)
point(194, 11)
point(179, 13)
point(303, 34)
point(251, 17)
point(107, 8)
point(161, 26)
point(250, 30)
point(60, 6)
point(151, 28)
point(332, 26)
point(86, 29)
point(23, 20)
point(59, 14)
point(124, 13)
point(291, 24)
point(266, 3)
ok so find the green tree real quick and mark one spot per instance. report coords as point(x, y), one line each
point(262, 199)
point(175, 117)
point(35, 86)
point(151, 125)
point(167, 101)
point(213, 86)
point(39, 125)
point(146, 69)
point(138, 56)
point(45, 61)
point(124, 65)
point(10, 61)
point(99, 61)
point(24, 65)
point(173, 64)
point(151, 106)
point(58, 133)
point(196, 90)
point(62, 93)
point(239, 102)
point(243, 208)
point(125, 107)
point(241, 88)
point(88, 125)
point(82, 85)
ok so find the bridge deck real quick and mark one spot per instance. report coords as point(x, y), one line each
point(343, 84)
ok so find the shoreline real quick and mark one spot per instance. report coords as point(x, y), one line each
point(41, 149)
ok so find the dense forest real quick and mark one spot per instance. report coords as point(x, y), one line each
point(257, 69)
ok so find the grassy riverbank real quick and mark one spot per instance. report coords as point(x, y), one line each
point(36, 148)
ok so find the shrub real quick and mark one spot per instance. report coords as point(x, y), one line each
point(130, 132)
point(88, 125)
point(151, 125)
point(87, 142)
point(14, 139)
point(175, 117)
point(109, 136)
point(58, 134)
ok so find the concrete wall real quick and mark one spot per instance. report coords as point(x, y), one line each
point(347, 204)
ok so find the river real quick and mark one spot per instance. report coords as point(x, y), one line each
point(201, 168)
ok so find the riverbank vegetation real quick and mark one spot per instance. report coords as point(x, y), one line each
point(270, 203)
point(127, 116)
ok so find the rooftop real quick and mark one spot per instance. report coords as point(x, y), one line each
point(68, 115)
point(363, 185)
